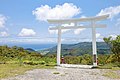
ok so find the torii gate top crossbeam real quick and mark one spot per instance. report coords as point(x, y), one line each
point(64, 21)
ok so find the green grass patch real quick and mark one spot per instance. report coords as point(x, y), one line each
point(115, 68)
point(107, 66)
point(9, 70)
point(112, 70)
point(111, 74)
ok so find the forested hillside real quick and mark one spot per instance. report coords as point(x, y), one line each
point(12, 53)
point(81, 48)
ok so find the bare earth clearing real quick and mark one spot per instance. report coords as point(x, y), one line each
point(64, 74)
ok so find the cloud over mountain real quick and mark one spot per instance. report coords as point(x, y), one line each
point(2, 21)
point(27, 32)
point(4, 34)
point(112, 11)
point(67, 10)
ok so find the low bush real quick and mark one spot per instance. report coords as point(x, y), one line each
point(34, 62)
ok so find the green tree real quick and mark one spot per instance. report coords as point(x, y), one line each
point(114, 45)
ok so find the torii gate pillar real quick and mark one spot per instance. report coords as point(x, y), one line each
point(94, 48)
point(59, 47)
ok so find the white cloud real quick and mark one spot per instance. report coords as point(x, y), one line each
point(56, 31)
point(67, 25)
point(53, 31)
point(78, 31)
point(83, 16)
point(113, 36)
point(67, 10)
point(112, 11)
point(2, 21)
point(98, 35)
point(27, 32)
point(4, 34)
point(2, 25)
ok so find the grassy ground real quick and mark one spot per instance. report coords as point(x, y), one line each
point(13, 69)
point(9, 70)
point(112, 73)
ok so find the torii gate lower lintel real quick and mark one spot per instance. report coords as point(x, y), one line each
point(93, 25)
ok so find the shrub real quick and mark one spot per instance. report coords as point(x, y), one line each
point(84, 62)
point(34, 62)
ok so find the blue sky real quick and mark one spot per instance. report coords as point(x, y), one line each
point(24, 21)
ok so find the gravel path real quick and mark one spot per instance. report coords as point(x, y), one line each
point(63, 74)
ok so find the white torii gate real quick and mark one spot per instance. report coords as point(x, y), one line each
point(93, 25)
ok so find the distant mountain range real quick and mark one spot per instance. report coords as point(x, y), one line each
point(79, 49)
